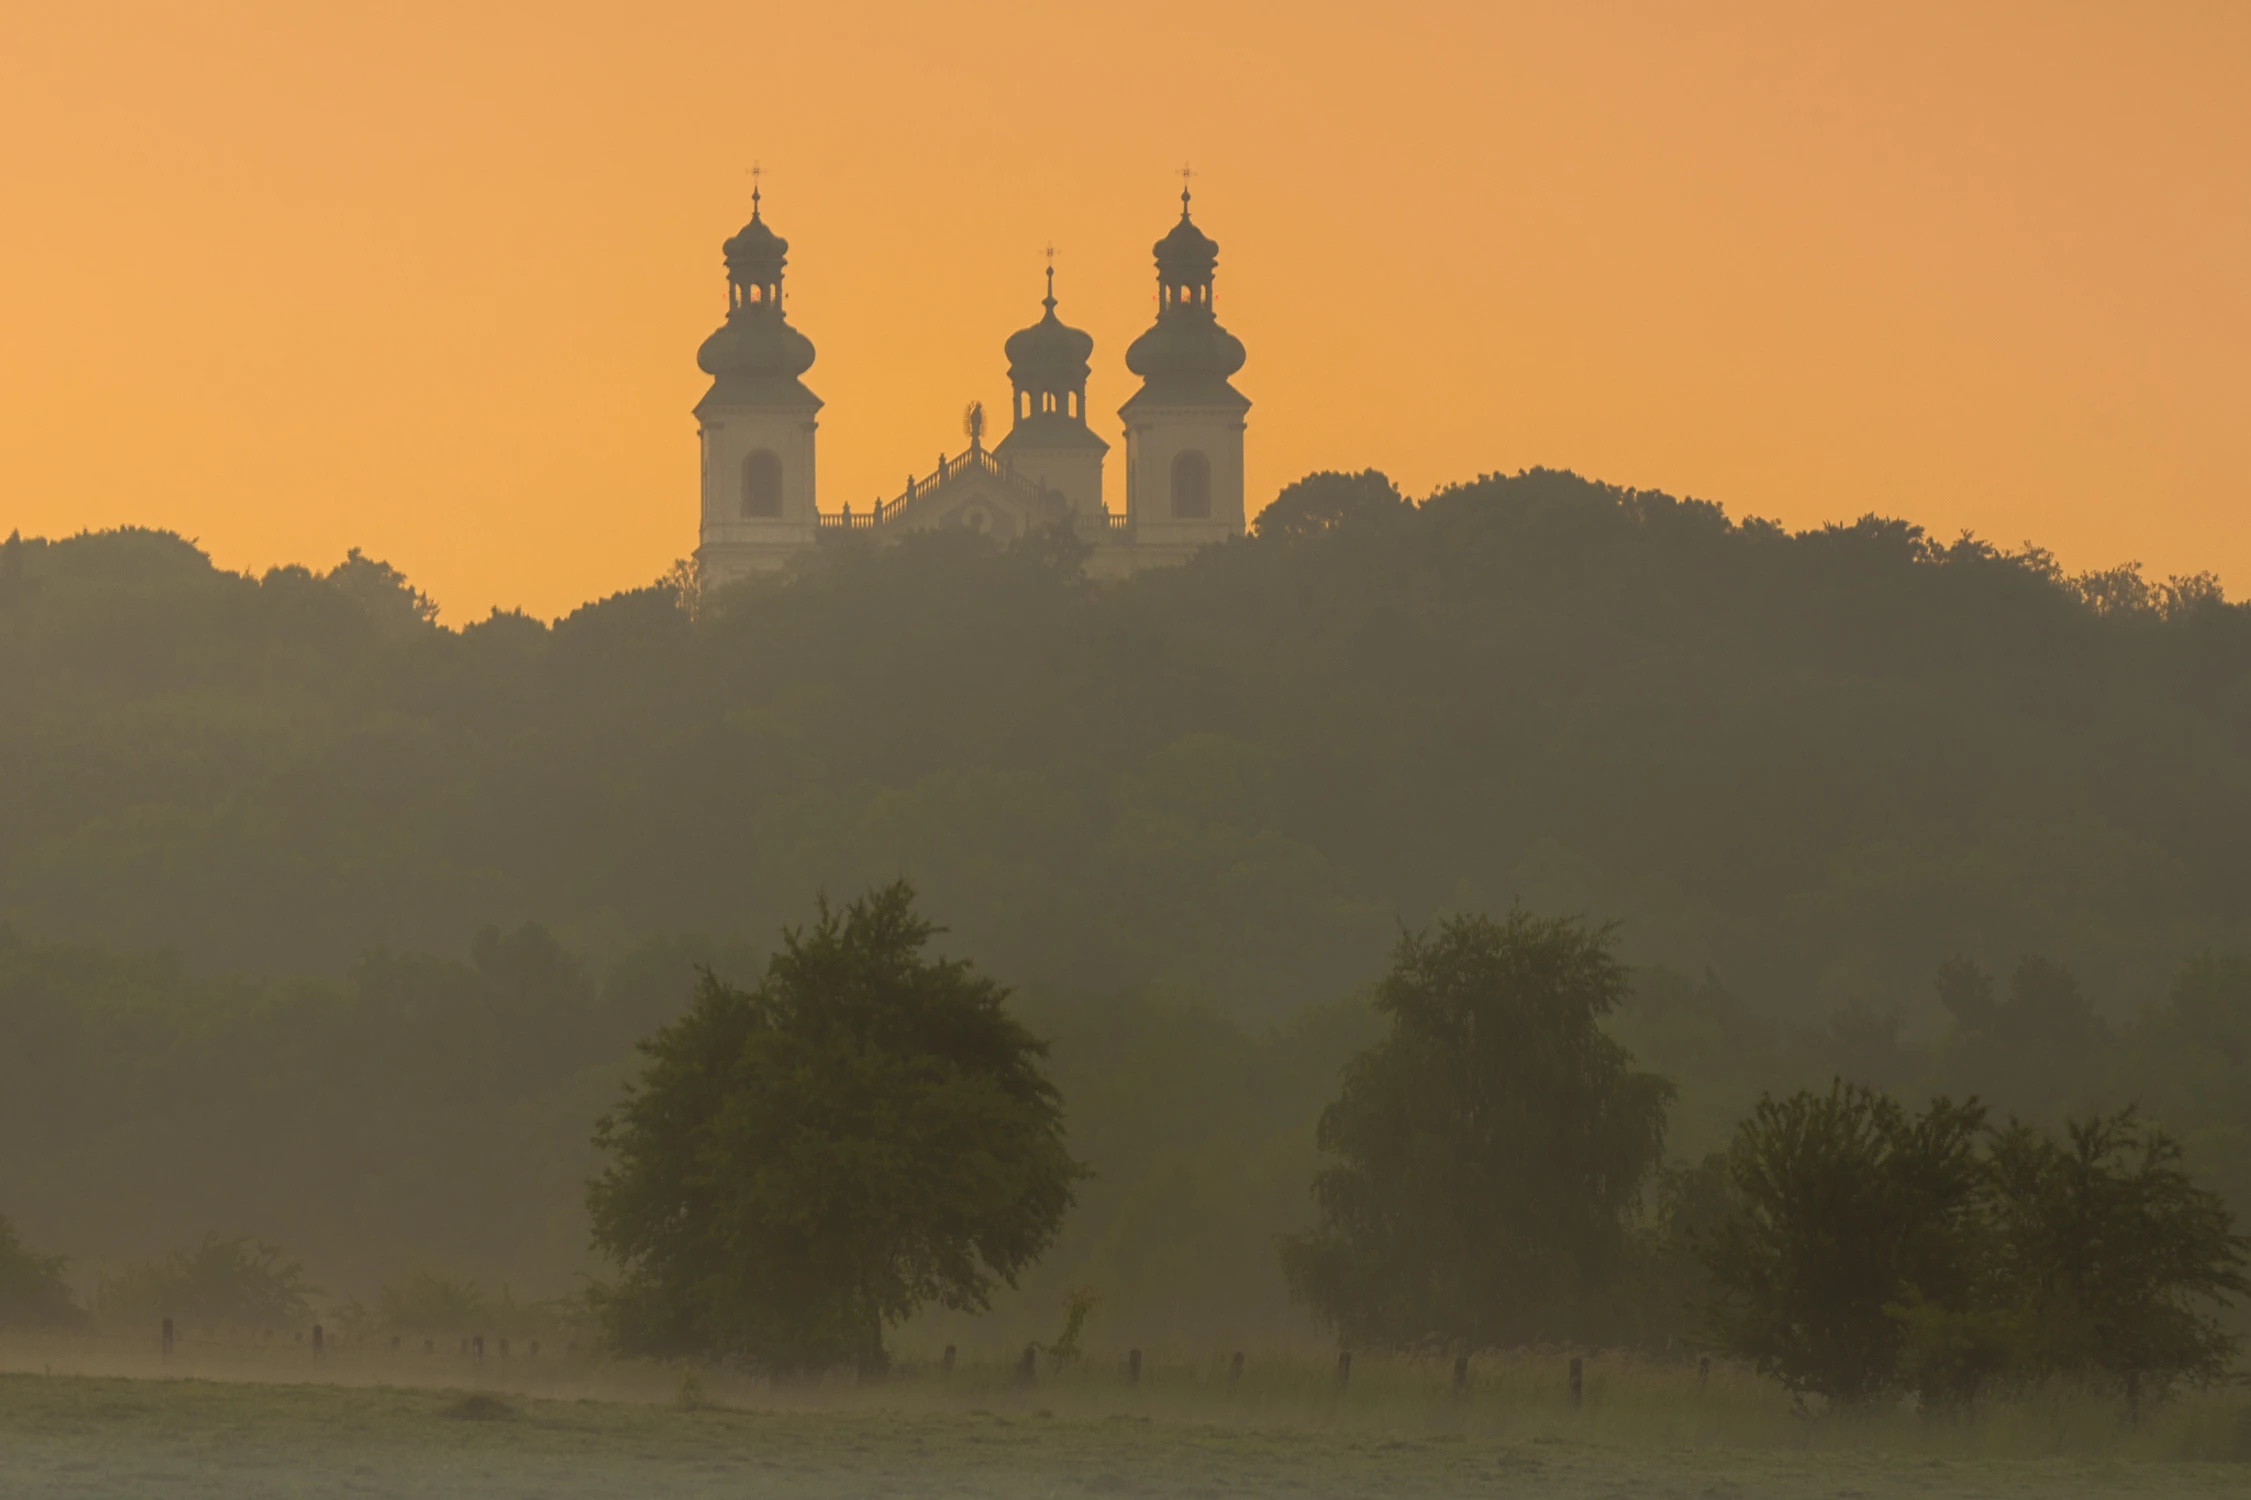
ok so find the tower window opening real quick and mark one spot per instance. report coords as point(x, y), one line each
point(1071, 404)
point(762, 484)
point(1191, 486)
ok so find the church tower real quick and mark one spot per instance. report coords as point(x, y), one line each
point(1184, 427)
point(756, 422)
point(1048, 440)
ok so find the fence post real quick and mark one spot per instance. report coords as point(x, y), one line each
point(504, 1347)
point(477, 1346)
point(1028, 1368)
point(429, 1346)
point(1344, 1368)
point(1133, 1367)
point(946, 1365)
point(533, 1350)
point(1703, 1372)
point(1461, 1372)
point(1576, 1384)
point(316, 1340)
point(167, 1338)
point(1235, 1371)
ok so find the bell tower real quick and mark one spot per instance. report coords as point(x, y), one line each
point(1048, 440)
point(1184, 427)
point(756, 423)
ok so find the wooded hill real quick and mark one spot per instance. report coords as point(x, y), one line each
point(1816, 763)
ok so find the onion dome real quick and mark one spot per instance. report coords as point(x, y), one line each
point(1186, 357)
point(755, 357)
point(1185, 344)
point(1187, 255)
point(1048, 365)
point(756, 254)
point(1050, 355)
point(756, 346)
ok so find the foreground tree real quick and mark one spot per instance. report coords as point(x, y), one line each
point(1490, 1148)
point(804, 1164)
point(2115, 1259)
point(33, 1293)
point(241, 1282)
point(1866, 1250)
point(1847, 1210)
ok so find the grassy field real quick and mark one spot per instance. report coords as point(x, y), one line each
point(244, 1422)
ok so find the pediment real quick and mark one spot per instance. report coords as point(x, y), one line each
point(984, 503)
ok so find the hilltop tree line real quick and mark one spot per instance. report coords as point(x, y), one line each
point(1817, 763)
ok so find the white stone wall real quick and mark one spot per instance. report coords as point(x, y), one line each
point(1155, 436)
point(1076, 473)
point(730, 543)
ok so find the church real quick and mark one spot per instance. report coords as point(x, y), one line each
point(1183, 430)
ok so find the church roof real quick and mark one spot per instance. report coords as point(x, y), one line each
point(1187, 254)
point(1185, 357)
point(1048, 431)
point(755, 357)
point(1050, 355)
point(755, 254)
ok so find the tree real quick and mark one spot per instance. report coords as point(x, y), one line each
point(804, 1164)
point(2113, 1256)
point(1324, 502)
point(33, 1293)
point(1847, 1212)
point(1489, 1149)
point(383, 591)
point(244, 1282)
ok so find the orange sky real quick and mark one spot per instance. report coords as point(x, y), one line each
point(429, 278)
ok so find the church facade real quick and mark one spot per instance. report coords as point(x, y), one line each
point(1183, 430)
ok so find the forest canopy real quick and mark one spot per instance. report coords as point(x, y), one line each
point(331, 924)
point(1818, 763)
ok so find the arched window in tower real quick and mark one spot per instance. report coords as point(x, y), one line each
point(1191, 486)
point(762, 484)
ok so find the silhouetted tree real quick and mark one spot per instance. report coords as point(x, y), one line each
point(804, 1164)
point(242, 1282)
point(2111, 1258)
point(1324, 502)
point(1846, 1210)
point(1489, 1149)
point(33, 1293)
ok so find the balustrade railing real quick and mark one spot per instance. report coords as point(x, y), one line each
point(884, 512)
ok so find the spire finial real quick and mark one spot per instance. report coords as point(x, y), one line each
point(1186, 172)
point(1049, 303)
point(755, 172)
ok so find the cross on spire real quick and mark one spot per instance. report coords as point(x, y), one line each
point(1186, 172)
point(1050, 274)
point(755, 172)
